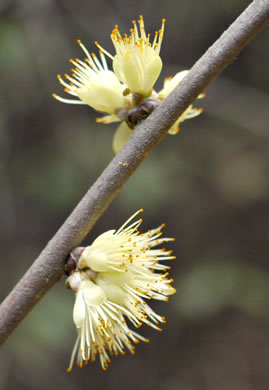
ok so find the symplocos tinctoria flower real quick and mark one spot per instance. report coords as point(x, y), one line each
point(113, 279)
point(125, 94)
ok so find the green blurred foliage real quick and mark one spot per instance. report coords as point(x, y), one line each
point(209, 184)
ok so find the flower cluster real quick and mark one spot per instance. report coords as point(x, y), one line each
point(112, 279)
point(125, 94)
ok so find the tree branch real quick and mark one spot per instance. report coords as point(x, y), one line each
point(49, 266)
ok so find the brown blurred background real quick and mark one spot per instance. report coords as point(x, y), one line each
point(209, 184)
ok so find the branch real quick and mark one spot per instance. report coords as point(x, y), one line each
point(49, 266)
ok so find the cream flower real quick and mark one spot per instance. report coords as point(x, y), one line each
point(125, 94)
point(126, 250)
point(137, 62)
point(100, 325)
point(95, 85)
point(114, 278)
point(171, 83)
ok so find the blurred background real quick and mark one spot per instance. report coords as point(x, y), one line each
point(209, 184)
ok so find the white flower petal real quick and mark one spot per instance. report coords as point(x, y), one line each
point(92, 294)
point(103, 93)
point(121, 136)
point(171, 83)
point(79, 310)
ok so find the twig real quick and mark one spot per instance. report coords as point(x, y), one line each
point(48, 267)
